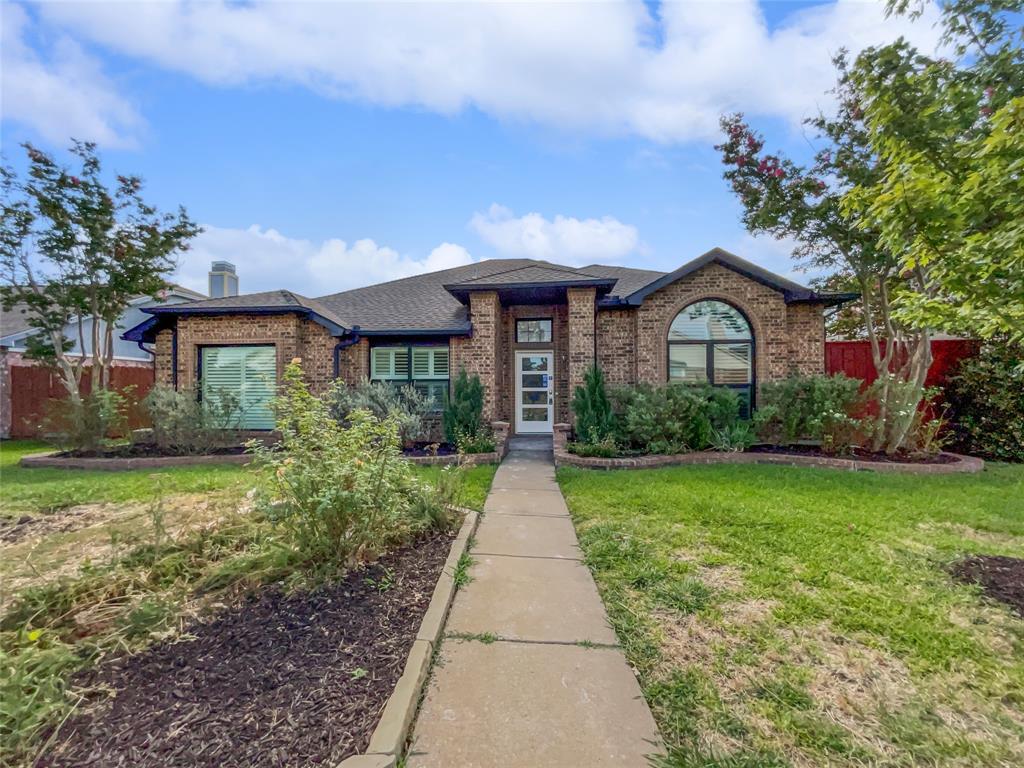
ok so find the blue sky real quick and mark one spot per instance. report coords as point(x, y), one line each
point(330, 145)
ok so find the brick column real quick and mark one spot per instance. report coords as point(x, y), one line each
point(479, 353)
point(582, 310)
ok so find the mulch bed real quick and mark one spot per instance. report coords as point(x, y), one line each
point(278, 681)
point(859, 455)
point(430, 449)
point(144, 451)
point(1001, 578)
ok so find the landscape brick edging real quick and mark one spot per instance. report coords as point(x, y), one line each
point(456, 458)
point(387, 742)
point(53, 461)
point(962, 464)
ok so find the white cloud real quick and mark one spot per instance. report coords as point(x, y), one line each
point(775, 254)
point(605, 68)
point(267, 260)
point(564, 239)
point(67, 96)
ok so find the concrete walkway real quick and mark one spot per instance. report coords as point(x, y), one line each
point(553, 689)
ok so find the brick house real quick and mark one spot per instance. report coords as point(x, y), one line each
point(529, 329)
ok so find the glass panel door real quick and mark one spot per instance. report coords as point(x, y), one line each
point(535, 389)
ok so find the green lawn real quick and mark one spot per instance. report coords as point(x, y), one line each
point(30, 491)
point(785, 616)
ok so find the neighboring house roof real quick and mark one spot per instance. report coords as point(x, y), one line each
point(15, 325)
point(435, 303)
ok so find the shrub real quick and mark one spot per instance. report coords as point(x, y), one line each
point(86, 424)
point(340, 495)
point(409, 408)
point(182, 423)
point(604, 448)
point(986, 399)
point(733, 439)
point(673, 418)
point(463, 414)
point(481, 442)
point(823, 409)
point(594, 419)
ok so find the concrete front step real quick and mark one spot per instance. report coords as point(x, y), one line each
point(557, 601)
point(527, 705)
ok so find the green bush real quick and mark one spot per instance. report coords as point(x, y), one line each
point(340, 495)
point(464, 413)
point(409, 408)
point(86, 424)
point(481, 442)
point(986, 400)
point(593, 410)
point(182, 424)
point(824, 409)
point(673, 418)
point(604, 448)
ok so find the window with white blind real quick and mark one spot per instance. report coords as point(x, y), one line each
point(424, 367)
point(248, 374)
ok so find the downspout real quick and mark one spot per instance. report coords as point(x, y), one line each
point(174, 356)
point(142, 345)
point(344, 344)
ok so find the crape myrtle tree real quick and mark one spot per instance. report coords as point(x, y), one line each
point(75, 252)
point(805, 203)
point(948, 133)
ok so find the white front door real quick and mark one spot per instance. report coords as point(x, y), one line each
point(535, 392)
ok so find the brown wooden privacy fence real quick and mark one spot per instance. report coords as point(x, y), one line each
point(33, 386)
point(854, 359)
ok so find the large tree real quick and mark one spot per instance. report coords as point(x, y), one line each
point(948, 132)
point(75, 252)
point(804, 202)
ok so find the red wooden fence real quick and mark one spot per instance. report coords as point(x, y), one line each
point(33, 386)
point(854, 359)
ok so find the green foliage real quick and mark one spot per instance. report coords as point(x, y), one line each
point(948, 132)
point(823, 409)
point(340, 495)
point(986, 399)
point(605, 448)
point(673, 418)
point(182, 424)
point(73, 248)
point(481, 441)
point(463, 414)
point(34, 670)
point(595, 421)
point(87, 423)
point(733, 439)
point(408, 408)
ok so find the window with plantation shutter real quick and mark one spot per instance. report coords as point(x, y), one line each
point(245, 375)
point(426, 368)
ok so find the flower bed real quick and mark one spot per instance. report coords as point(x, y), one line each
point(946, 463)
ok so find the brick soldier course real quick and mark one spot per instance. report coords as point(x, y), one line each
point(615, 316)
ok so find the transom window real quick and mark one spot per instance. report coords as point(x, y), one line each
point(426, 368)
point(711, 341)
point(533, 331)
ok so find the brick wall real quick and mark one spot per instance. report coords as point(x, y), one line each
point(582, 308)
point(805, 327)
point(616, 345)
point(480, 352)
point(778, 352)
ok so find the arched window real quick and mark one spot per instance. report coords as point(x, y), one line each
point(711, 341)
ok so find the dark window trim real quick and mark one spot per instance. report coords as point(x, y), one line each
point(410, 381)
point(551, 322)
point(710, 353)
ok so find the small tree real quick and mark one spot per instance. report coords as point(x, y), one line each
point(785, 199)
point(593, 410)
point(464, 412)
point(74, 251)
